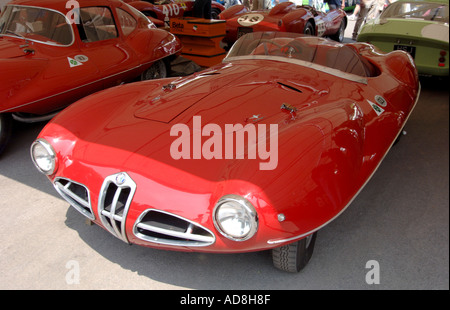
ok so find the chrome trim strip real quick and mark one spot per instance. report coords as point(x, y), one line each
point(277, 241)
point(186, 235)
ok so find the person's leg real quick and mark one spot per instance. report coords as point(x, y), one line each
point(362, 15)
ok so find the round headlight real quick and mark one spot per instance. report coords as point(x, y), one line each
point(43, 156)
point(235, 218)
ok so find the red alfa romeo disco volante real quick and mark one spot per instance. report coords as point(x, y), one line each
point(256, 153)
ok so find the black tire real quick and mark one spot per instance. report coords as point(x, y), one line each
point(339, 35)
point(215, 13)
point(158, 70)
point(295, 256)
point(309, 29)
point(6, 124)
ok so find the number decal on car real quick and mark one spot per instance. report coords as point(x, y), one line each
point(172, 9)
point(251, 19)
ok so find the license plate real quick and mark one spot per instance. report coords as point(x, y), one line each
point(407, 48)
point(244, 30)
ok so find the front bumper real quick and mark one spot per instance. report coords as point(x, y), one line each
point(152, 226)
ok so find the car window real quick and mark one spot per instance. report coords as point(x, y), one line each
point(97, 24)
point(36, 24)
point(420, 10)
point(126, 22)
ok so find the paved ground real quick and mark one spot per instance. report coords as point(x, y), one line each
point(400, 220)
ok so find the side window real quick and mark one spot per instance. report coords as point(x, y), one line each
point(126, 22)
point(97, 24)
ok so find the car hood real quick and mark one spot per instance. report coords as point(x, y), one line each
point(124, 127)
point(235, 94)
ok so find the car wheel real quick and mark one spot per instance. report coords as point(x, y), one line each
point(308, 29)
point(295, 256)
point(5, 130)
point(215, 13)
point(157, 71)
point(339, 36)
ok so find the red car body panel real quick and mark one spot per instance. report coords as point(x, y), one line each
point(285, 17)
point(328, 149)
point(162, 11)
point(43, 80)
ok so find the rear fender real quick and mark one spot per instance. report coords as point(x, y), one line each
point(233, 11)
point(296, 21)
point(401, 65)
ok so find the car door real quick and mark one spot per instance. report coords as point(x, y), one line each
point(102, 43)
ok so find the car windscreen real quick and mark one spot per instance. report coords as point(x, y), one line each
point(417, 10)
point(318, 53)
point(36, 24)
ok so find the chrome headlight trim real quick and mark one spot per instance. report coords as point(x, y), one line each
point(46, 151)
point(244, 212)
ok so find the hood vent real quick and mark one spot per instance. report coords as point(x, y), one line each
point(290, 87)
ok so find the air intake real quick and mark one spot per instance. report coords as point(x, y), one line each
point(76, 195)
point(165, 228)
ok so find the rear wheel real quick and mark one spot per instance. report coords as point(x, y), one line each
point(339, 35)
point(5, 130)
point(309, 29)
point(295, 256)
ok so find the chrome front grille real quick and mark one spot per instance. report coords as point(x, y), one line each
point(165, 228)
point(75, 194)
point(115, 198)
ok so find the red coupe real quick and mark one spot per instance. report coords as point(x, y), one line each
point(160, 12)
point(286, 17)
point(256, 153)
point(51, 56)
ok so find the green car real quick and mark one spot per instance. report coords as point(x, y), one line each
point(417, 27)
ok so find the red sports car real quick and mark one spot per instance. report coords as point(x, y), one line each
point(51, 56)
point(286, 17)
point(159, 12)
point(256, 153)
